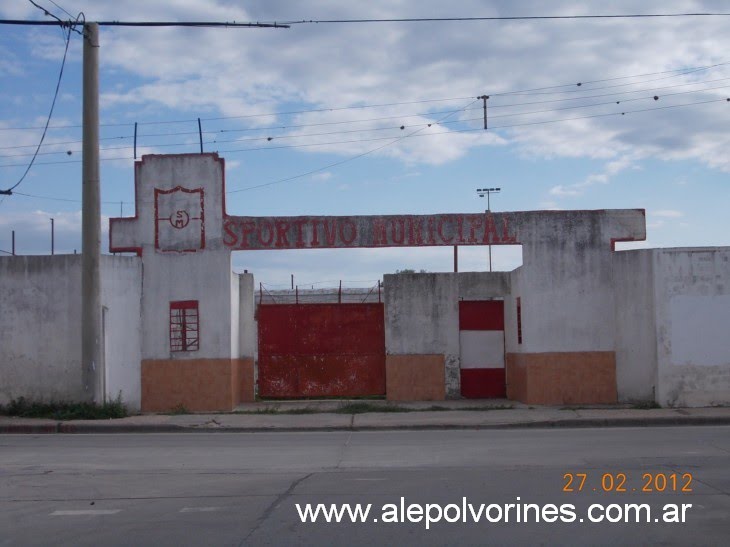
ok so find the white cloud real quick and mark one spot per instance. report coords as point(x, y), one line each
point(610, 169)
point(564, 191)
point(667, 213)
point(33, 231)
point(245, 72)
point(323, 176)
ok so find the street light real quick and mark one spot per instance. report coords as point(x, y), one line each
point(486, 191)
point(482, 192)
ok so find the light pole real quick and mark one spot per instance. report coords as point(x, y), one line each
point(482, 192)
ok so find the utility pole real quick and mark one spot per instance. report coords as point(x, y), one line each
point(91, 358)
point(53, 237)
point(486, 191)
point(484, 99)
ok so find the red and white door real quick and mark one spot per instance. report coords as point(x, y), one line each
point(481, 338)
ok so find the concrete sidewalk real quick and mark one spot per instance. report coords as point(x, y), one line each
point(331, 416)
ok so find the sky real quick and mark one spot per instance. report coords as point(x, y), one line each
point(379, 118)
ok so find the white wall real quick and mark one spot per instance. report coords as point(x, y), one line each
point(121, 288)
point(40, 327)
point(248, 327)
point(177, 265)
point(194, 276)
point(692, 292)
point(40, 324)
point(636, 357)
point(422, 314)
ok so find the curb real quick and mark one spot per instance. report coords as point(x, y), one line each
point(111, 428)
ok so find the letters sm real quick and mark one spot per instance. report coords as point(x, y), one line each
point(310, 232)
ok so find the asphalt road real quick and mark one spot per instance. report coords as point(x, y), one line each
point(242, 489)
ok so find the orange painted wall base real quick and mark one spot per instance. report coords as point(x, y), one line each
point(415, 378)
point(199, 385)
point(586, 377)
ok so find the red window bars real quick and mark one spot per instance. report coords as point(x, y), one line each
point(184, 326)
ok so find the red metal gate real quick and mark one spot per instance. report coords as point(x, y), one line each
point(321, 350)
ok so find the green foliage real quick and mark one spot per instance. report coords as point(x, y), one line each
point(362, 407)
point(179, 409)
point(646, 405)
point(65, 410)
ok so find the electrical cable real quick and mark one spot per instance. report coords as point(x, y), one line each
point(506, 18)
point(346, 160)
point(255, 149)
point(9, 191)
point(400, 126)
point(677, 73)
point(279, 181)
point(371, 129)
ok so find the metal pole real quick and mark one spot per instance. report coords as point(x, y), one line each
point(91, 360)
point(292, 281)
point(456, 258)
point(13, 244)
point(53, 238)
point(489, 211)
point(200, 135)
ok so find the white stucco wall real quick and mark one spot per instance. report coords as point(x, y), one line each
point(248, 327)
point(121, 295)
point(692, 293)
point(40, 327)
point(235, 315)
point(40, 321)
point(181, 263)
point(176, 277)
point(422, 314)
point(636, 357)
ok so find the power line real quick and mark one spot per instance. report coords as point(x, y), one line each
point(284, 127)
point(440, 122)
point(279, 181)
point(346, 160)
point(9, 191)
point(63, 10)
point(189, 24)
point(675, 73)
point(400, 127)
point(506, 18)
point(69, 200)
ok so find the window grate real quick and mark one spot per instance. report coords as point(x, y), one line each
point(184, 326)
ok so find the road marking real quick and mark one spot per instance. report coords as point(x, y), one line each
point(80, 512)
point(199, 509)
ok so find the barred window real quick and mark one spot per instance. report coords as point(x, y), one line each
point(184, 326)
